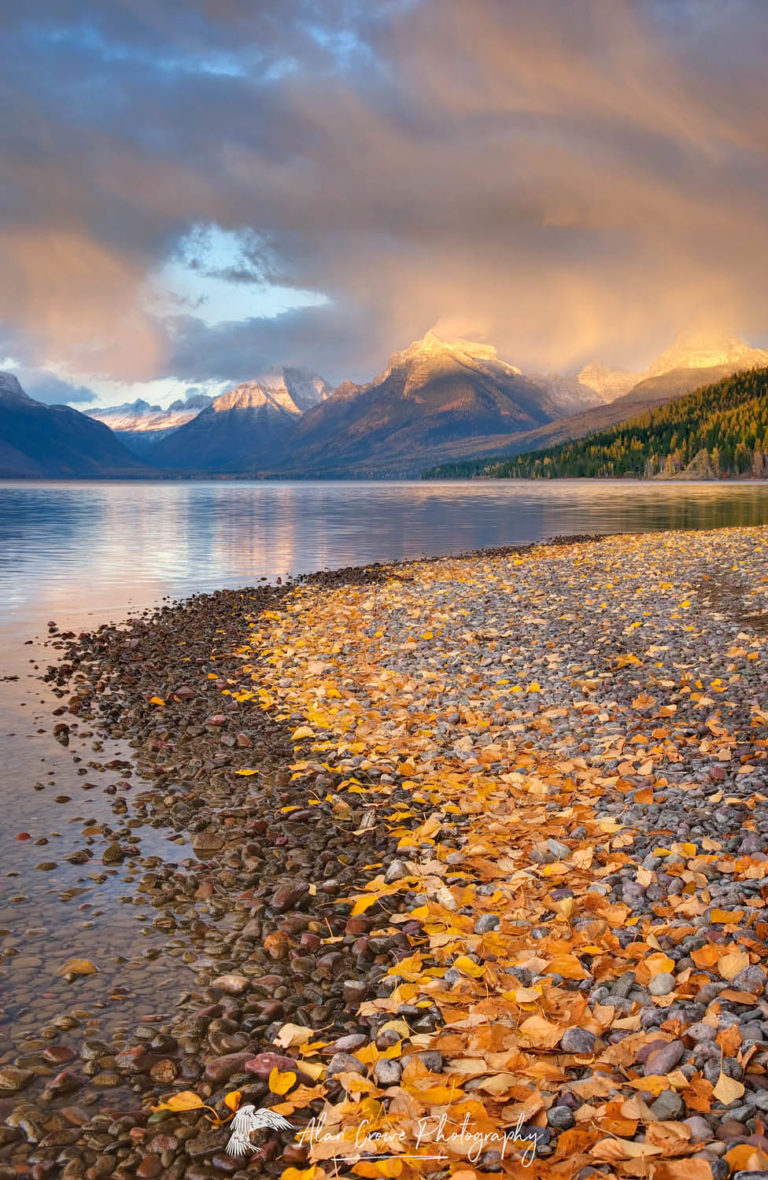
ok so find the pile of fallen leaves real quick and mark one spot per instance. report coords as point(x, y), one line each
point(515, 721)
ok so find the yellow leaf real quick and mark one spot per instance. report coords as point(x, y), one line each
point(397, 1026)
point(246, 771)
point(280, 1083)
point(78, 967)
point(232, 1099)
point(298, 1173)
point(313, 1068)
point(186, 1100)
point(523, 995)
point(363, 903)
point(302, 732)
point(440, 1095)
point(727, 1089)
point(730, 965)
point(468, 967)
point(156, 701)
point(534, 686)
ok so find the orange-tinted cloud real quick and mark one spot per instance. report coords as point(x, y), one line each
point(564, 179)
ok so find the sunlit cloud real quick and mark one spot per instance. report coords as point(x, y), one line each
point(194, 196)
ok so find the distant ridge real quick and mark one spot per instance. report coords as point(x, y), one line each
point(56, 441)
point(718, 431)
point(140, 426)
point(245, 428)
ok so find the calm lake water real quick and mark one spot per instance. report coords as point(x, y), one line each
point(76, 548)
point(83, 553)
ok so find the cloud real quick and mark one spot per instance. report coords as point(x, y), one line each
point(52, 390)
point(563, 179)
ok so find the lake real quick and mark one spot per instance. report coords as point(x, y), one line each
point(89, 549)
point(84, 553)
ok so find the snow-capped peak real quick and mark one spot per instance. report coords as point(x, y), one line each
point(707, 353)
point(10, 389)
point(291, 391)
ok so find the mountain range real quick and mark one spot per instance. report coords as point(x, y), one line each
point(436, 402)
point(141, 426)
point(56, 441)
point(720, 430)
point(245, 428)
point(433, 398)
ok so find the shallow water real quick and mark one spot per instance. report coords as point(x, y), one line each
point(83, 553)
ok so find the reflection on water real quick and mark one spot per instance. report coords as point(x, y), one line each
point(88, 546)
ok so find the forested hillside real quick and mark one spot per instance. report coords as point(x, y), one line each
point(718, 431)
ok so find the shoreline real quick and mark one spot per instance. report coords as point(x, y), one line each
point(225, 905)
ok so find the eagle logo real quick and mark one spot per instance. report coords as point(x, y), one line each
point(249, 1119)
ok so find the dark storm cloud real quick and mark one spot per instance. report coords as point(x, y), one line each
point(562, 178)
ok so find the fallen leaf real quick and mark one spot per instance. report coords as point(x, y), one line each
point(727, 1089)
point(292, 1034)
point(730, 965)
point(78, 967)
point(185, 1100)
point(281, 1083)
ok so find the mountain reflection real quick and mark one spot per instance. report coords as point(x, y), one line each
point(77, 547)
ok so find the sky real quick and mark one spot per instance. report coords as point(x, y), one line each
point(195, 191)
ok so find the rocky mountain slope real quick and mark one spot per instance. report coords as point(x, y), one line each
point(693, 366)
point(433, 399)
point(245, 428)
point(37, 440)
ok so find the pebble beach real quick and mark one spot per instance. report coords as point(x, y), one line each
point(476, 880)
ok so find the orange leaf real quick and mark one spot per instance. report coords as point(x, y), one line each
point(372, 1169)
point(726, 916)
point(682, 1170)
point(280, 1083)
point(729, 1040)
point(185, 1100)
point(541, 1032)
point(568, 966)
point(706, 956)
point(232, 1099)
point(745, 1158)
